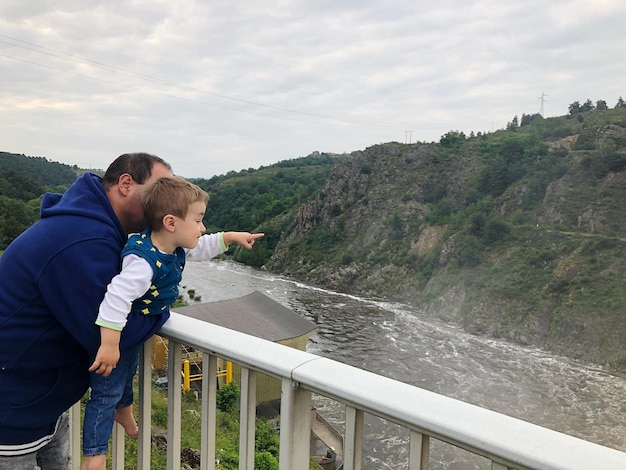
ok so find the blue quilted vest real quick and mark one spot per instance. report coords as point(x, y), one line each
point(167, 272)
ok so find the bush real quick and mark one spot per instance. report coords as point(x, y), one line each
point(441, 211)
point(468, 250)
point(265, 461)
point(227, 397)
point(496, 229)
point(267, 439)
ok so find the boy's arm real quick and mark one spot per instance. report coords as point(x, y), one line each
point(130, 284)
point(243, 239)
point(108, 353)
point(213, 244)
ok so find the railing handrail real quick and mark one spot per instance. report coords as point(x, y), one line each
point(504, 439)
point(508, 442)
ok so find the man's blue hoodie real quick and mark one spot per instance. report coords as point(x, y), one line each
point(53, 278)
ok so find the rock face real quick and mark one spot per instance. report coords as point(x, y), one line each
point(369, 203)
point(392, 222)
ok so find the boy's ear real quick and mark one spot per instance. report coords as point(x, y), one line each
point(169, 222)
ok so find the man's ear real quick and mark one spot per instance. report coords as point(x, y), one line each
point(125, 183)
point(169, 222)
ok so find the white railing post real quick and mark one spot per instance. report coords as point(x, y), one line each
point(499, 466)
point(174, 406)
point(117, 447)
point(353, 440)
point(295, 426)
point(301, 428)
point(247, 419)
point(419, 451)
point(144, 412)
point(75, 427)
point(209, 412)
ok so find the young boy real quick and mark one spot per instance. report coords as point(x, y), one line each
point(152, 266)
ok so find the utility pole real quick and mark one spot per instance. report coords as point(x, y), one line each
point(543, 100)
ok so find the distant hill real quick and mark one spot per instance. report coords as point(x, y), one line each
point(265, 199)
point(518, 234)
point(23, 180)
point(239, 200)
point(39, 170)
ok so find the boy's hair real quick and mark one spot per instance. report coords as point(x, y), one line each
point(137, 165)
point(170, 195)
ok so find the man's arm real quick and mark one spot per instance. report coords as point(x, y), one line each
point(73, 284)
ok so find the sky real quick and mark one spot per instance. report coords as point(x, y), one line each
point(218, 86)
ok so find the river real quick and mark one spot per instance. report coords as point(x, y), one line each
point(400, 342)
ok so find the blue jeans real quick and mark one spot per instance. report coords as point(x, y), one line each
point(107, 395)
point(55, 455)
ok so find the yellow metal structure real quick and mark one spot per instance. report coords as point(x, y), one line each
point(190, 357)
point(188, 377)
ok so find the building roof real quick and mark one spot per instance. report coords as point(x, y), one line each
point(255, 314)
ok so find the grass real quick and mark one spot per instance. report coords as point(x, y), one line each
point(227, 436)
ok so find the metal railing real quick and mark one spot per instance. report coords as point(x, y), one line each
point(508, 443)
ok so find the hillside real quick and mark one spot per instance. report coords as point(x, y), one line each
point(517, 234)
point(264, 199)
point(22, 182)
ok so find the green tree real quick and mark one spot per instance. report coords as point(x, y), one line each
point(495, 178)
point(441, 210)
point(468, 249)
point(587, 106)
point(452, 139)
point(16, 216)
point(574, 108)
point(529, 118)
point(496, 229)
point(513, 125)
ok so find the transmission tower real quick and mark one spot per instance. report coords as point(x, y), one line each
point(543, 99)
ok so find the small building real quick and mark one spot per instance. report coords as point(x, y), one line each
point(254, 314)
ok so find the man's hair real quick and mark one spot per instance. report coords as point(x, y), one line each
point(170, 195)
point(137, 165)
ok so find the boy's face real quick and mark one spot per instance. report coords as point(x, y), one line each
point(191, 228)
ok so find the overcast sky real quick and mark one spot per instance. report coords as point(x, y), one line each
point(214, 86)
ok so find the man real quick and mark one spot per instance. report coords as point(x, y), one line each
point(54, 277)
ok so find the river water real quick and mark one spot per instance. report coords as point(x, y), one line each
point(400, 342)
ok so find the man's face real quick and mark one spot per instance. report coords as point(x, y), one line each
point(137, 222)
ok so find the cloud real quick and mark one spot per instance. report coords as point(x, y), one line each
point(219, 87)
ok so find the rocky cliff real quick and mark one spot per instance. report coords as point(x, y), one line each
point(508, 236)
